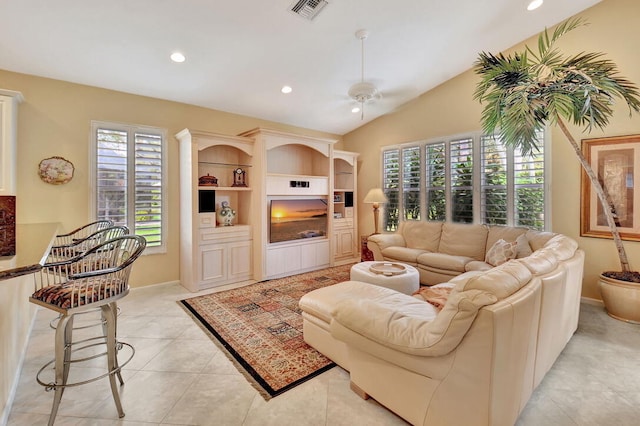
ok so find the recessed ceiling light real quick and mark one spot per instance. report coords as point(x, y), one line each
point(178, 57)
point(534, 4)
point(355, 109)
point(286, 89)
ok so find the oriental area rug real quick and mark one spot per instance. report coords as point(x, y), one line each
point(259, 327)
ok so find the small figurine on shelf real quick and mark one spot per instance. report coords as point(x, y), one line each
point(226, 214)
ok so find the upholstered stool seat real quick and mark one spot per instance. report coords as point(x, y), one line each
point(98, 278)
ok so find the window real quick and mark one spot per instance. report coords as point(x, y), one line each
point(411, 182)
point(435, 170)
point(391, 188)
point(127, 179)
point(461, 169)
point(470, 179)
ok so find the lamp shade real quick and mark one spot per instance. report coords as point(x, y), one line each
point(375, 195)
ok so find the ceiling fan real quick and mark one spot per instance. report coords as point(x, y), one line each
point(363, 92)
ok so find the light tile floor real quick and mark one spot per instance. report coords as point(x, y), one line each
point(179, 377)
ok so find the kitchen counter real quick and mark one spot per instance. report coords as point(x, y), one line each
point(33, 242)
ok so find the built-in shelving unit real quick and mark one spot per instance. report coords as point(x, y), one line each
point(213, 255)
point(345, 247)
point(296, 167)
point(277, 166)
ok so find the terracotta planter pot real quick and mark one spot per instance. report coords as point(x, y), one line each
point(621, 299)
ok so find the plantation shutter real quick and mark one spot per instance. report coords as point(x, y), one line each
point(391, 188)
point(529, 188)
point(436, 168)
point(494, 191)
point(129, 169)
point(111, 182)
point(411, 182)
point(148, 187)
point(461, 170)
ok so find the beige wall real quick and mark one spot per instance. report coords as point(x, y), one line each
point(450, 109)
point(54, 120)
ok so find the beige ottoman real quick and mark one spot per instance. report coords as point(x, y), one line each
point(407, 282)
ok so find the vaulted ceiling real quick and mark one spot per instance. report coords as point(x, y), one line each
point(239, 54)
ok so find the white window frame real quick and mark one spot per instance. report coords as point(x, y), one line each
point(131, 129)
point(477, 177)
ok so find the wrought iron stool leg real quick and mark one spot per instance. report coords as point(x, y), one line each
point(114, 309)
point(112, 362)
point(62, 356)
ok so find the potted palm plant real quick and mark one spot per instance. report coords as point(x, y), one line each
point(527, 90)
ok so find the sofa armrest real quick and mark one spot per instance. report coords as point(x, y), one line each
point(378, 242)
point(413, 335)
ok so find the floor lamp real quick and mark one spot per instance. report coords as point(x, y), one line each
point(376, 197)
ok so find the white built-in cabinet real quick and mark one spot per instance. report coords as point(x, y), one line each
point(210, 254)
point(294, 167)
point(344, 207)
point(9, 101)
point(277, 166)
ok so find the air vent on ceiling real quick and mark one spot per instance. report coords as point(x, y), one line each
point(308, 9)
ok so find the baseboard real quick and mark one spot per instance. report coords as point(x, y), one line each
point(590, 301)
point(175, 282)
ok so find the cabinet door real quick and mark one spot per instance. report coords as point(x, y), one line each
point(213, 264)
point(345, 244)
point(239, 260)
point(282, 260)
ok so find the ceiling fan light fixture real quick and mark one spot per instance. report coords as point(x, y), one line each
point(364, 92)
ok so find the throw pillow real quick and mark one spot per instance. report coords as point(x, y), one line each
point(523, 247)
point(500, 252)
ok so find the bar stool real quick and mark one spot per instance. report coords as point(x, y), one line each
point(82, 232)
point(67, 251)
point(96, 278)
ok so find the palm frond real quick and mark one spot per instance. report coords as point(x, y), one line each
point(524, 90)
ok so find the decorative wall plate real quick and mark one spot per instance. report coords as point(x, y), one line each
point(55, 170)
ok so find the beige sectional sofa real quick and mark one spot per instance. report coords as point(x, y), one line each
point(478, 360)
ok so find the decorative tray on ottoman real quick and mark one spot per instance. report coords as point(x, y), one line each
point(387, 268)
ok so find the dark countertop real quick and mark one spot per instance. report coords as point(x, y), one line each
point(33, 242)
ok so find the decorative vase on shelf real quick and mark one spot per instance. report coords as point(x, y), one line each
point(226, 214)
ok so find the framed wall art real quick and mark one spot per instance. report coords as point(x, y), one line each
point(616, 162)
point(55, 170)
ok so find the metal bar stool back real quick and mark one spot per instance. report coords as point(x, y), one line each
point(80, 245)
point(96, 278)
point(82, 232)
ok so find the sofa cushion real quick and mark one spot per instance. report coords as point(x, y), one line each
point(507, 233)
point(442, 261)
point(500, 252)
point(422, 235)
point(463, 240)
point(398, 329)
point(501, 281)
point(477, 265)
point(322, 301)
point(523, 247)
point(562, 246)
point(537, 239)
point(540, 262)
point(402, 254)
